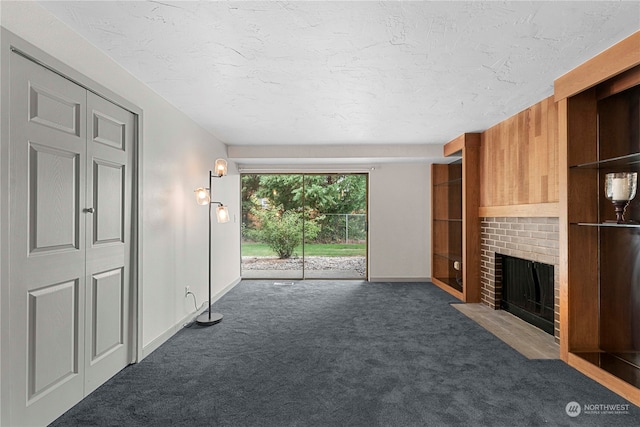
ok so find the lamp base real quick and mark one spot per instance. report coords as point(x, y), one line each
point(208, 319)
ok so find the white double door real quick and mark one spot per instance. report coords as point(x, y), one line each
point(70, 242)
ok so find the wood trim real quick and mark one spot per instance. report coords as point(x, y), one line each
point(455, 146)
point(563, 236)
point(522, 211)
point(603, 377)
point(472, 139)
point(447, 288)
point(624, 81)
point(471, 224)
point(616, 59)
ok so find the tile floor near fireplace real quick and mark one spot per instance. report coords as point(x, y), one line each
point(531, 342)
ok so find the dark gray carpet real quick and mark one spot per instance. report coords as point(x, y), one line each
point(342, 354)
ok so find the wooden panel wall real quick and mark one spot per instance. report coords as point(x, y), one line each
point(519, 158)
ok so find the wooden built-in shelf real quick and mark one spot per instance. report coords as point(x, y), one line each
point(450, 256)
point(455, 244)
point(606, 224)
point(625, 366)
point(449, 282)
point(599, 128)
point(622, 162)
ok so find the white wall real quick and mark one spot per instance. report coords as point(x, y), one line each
point(176, 155)
point(399, 222)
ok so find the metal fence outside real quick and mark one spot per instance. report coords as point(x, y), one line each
point(342, 228)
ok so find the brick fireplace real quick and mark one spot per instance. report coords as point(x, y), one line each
point(534, 239)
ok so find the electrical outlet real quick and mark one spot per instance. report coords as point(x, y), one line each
point(187, 289)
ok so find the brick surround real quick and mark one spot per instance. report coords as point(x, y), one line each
point(533, 239)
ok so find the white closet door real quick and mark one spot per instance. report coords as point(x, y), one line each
point(70, 241)
point(108, 239)
point(47, 239)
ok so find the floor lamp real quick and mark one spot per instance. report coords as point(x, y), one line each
point(203, 197)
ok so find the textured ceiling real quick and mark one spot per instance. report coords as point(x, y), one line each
point(349, 72)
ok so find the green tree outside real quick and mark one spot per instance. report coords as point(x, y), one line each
point(273, 206)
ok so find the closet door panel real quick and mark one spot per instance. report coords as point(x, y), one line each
point(47, 234)
point(108, 240)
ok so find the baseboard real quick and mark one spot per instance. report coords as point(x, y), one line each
point(399, 279)
point(163, 337)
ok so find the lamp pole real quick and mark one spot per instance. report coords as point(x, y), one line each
point(209, 318)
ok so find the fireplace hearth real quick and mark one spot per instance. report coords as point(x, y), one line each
point(527, 290)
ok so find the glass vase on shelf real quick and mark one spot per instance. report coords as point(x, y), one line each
point(620, 188)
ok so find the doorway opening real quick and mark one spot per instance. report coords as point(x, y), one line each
point(304, 226)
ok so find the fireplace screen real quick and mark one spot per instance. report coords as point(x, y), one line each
point(527, 290)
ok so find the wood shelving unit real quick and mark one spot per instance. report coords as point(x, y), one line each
point(455, 223)
point(599, 126)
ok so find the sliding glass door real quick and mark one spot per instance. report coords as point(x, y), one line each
point(335, 214)
point(297, 226)
point(272, 226)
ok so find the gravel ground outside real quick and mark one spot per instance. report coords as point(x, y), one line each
point(352, 263)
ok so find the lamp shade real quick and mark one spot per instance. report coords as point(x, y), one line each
point(222, 213)
point(202, 196)
point(220, 167)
